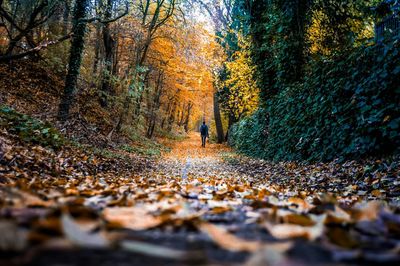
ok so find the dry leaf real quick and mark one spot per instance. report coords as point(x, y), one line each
point(134, 218)
point(301, 203)
point(338, 216)
point(227, 240)
point(367, 211)
point(284, 231)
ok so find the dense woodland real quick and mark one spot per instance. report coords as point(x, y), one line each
point(100, 107)
point(148, 64)
point(287, 80)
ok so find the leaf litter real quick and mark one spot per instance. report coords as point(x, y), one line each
point(198, 205)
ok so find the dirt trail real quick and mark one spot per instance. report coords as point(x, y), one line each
point(189, 159)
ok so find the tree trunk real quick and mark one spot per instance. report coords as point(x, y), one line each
point(166, 114)
point(218, 121)
point(75, 58)
point(171, 118)
point(156, 106)
point(231, 120)
point(181, 115)
point(109, 48)
point(189, 110)
point(97, 45)
point(121, 118)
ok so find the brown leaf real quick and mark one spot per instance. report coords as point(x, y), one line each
point(367, 211)
point(341, 237)
point(338, 216)
point(376, 193)
point(298, 219)
point(301, 203)
point(31, 200)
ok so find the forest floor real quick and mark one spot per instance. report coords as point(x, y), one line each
point(194, 206)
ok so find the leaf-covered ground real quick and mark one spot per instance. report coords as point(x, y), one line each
point(193, 206)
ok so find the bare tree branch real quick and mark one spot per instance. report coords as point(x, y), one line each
point(36, 49)
point(8, 17)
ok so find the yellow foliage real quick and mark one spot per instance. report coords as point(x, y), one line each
point(244, 93)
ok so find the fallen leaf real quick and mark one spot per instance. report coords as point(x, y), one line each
point(299, 219)
point(285, 231)
point(376, 193)
point(134, 218)
point(227, 240)
point(78, 236)
point(367, 211)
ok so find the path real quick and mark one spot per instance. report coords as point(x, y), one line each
point(209, 206)
point(189, 159)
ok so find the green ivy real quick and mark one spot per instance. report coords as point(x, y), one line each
point(347, 107)
point(30, 130)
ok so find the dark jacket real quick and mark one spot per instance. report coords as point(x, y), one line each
point(204, 130)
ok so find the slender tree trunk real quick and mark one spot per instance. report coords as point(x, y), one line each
point(75, 58)
point(171, 118)
point(97, 46)
point(166, 115)
point(109, 48)
point(97, 49)
point(121, 118)
point(181, 115)
point(189, 110)
point(218, 121)
point(156, 106)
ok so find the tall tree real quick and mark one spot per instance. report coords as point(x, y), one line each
point(75, 58)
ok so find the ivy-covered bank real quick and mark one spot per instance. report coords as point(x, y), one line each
point(346, 107)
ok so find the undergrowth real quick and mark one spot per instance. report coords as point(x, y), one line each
point(30, 130)
point(344, 108)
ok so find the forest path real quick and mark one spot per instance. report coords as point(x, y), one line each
point(188, 159)
point(201, 206)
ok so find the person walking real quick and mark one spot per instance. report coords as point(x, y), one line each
point(204, 134)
